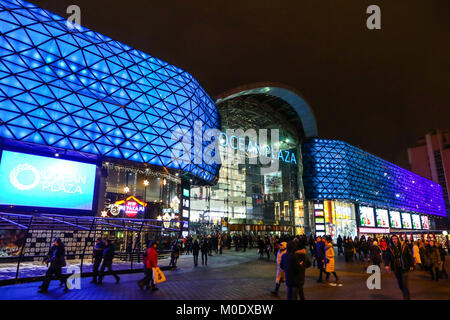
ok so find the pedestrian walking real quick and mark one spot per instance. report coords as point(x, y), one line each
point(294, 266)
point(340, 243)
point(204, 249)
point(195, 251)
point(97, 255)
point(220, 243)
point(56, 258)
point(400, 260)
point(268, 248)
point(261, 247)
point(435, 261)
point(320, 257)
point(416, 254)
point(108, 256)
point(280, 272)
point(329, 261)
point(443, 270)
point(150, 261)
point(375, 253)
point(174, 254)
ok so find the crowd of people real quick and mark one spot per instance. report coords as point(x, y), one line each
point(290, 254)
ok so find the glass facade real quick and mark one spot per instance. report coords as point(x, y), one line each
point(161, 192)
point(244, 197)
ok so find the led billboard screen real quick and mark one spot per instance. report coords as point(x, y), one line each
point(36, 181)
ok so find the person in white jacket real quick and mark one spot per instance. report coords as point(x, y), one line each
point(280, 272)
point(416, 254)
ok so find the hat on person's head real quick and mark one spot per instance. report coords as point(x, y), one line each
point(283, 245)
point(375, 243)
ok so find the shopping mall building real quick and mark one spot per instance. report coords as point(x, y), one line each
point(87, 128)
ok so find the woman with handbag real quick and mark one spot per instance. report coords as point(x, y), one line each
point(150, 261)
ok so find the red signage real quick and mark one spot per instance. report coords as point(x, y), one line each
point(132, 206)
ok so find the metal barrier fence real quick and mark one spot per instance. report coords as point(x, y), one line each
point(26, 239)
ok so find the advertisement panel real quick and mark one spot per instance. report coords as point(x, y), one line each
point(416, 221)
point(273, 183)
point(382, 218)
point(425, 223)
point(406, 220)
point(366, 217)
point(37, 181)
point(396, 221)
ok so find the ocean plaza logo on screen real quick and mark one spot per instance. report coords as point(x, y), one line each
point(31, 180)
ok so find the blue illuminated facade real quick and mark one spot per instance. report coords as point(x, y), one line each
point(79, 90)
point(339, 171)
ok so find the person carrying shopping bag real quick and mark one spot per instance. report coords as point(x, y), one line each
point(150, 261)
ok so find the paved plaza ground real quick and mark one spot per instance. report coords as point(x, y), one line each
point(237, 276)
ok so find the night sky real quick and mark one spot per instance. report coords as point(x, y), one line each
point(379, 90)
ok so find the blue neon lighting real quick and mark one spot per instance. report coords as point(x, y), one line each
point(337, 170)
point(80, 90)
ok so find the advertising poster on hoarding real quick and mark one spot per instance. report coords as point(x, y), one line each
point(396, 221)
point(425, 223)
point(366, 216)
point(382, 218)
point(37, 181)
point(11, 242)
point(406, 220)
point(416, 222)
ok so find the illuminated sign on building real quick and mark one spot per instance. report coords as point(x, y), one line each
point(425, 223)
point(406, 220)
point(366, 217)
point(36, 181)
point(319, 219)
point(416, 221)
point(131, 206)
point(395, 220)
point(255, 149)
point(382, 218)
point(373, 230)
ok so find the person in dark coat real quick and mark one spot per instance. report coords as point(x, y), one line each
point(174, 254)
point(294, 263)
point(375, 253)
point(442, 252)
point(195, 251)
point(340, 243)
point(204, 248)
point(56, 258)
point(244, 242)
point(97, 255)
point(320, 257)
point(348, 250)
point(435, 259)
point(108, 256)
point(261, 247)
point(400, 260)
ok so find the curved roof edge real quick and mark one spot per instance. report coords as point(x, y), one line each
point(286, 93)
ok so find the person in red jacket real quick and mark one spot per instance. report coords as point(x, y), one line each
point(150, 261)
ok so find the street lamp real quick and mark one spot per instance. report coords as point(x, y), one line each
point(126, 189)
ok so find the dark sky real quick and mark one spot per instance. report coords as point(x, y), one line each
point(379, 90)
